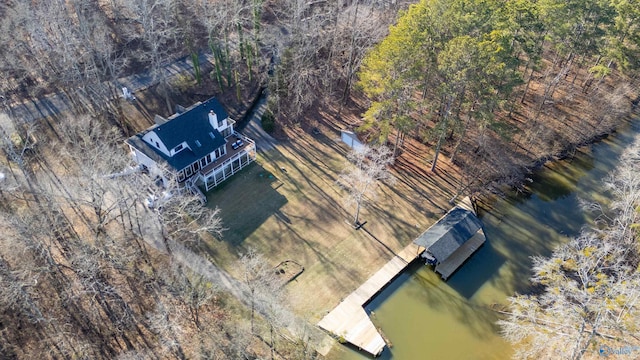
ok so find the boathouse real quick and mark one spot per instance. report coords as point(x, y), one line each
point(452, 240)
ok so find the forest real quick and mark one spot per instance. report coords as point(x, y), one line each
point(496, 87)
point(468, 77)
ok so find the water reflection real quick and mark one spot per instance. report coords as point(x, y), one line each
point(479, 269)
point(426, 318)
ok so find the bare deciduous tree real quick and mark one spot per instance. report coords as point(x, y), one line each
point(193, 288)
point(259, 278)
point(164, 322)
point(157, 31)
point(16, 139)
point(590, 287)
point(266, 295)
point(184, 218)
point(368, 165)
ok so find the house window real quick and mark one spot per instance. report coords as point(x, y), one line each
point(181, 176)
point(157, 145)
point(189, 172)
point(208, 158)
point(198, 143)
point(178, 148)
point(196, 166)
point(203, 162)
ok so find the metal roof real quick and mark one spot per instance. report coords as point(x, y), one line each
point(449, 233)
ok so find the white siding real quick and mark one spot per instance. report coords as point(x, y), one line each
point(142, 159)
point(213, 121)
point(152, 139)
point(184, 146)
point(151, 165)
point(223, 125)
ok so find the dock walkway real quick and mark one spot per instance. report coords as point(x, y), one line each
point(349, 321)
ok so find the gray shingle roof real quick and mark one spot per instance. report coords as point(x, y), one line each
point(449, 233)
point(191, 126)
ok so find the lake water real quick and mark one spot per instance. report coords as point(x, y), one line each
point(427, 318)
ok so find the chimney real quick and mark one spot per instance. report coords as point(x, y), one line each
point(213, 119)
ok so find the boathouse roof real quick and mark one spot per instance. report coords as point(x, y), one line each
point(449, 233)
point(452, 240)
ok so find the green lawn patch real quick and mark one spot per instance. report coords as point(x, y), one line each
point(246, 201)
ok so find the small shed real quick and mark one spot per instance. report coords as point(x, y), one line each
point(351, 139)
point(452, 240)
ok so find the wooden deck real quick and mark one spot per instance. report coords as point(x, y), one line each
point(349, 321)
point(453, 262)
point(231, 152)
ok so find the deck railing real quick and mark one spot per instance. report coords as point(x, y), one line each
point(195, 190)
point(248, 150)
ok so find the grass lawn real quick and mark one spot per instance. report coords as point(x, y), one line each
point(248, 199)
point(288, 207)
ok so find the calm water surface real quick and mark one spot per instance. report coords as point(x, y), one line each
point(427, 318)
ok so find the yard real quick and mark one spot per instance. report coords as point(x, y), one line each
point(288, 207)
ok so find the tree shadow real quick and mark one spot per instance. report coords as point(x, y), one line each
point(479, 318)
point(390, 250)
point(142, 109)
point(440, 297)
point(332, 268)
point(479, 268)
point(246, 201)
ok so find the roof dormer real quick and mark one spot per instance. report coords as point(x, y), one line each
point(179, 148)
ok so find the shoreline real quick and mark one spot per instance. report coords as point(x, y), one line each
point(518, 179)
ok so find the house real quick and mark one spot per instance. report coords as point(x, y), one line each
point(196, 146)
point(452, 240)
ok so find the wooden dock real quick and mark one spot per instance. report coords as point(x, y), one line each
point(349, 321)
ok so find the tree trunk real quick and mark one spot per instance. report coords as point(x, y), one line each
point(526, 87)
point(273, 344)
point(464, 132)
point(347, 87)
point(443, 132)
point(167, 98)
point(253, 311)
point(397, 142)
point(435, 159)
